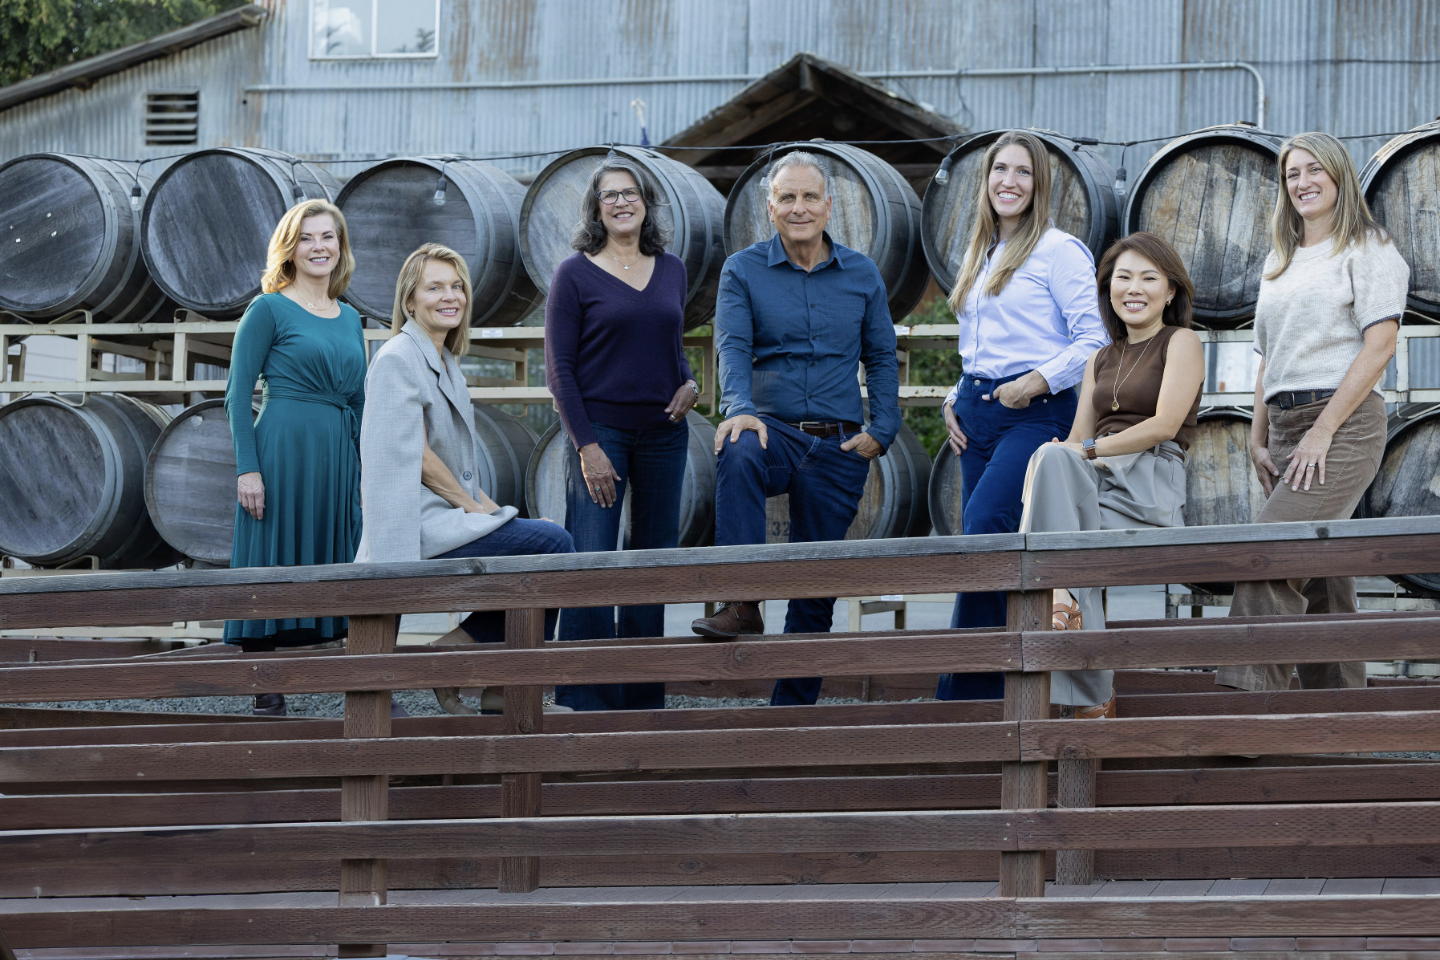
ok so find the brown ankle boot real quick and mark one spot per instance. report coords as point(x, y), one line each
point(733, 619)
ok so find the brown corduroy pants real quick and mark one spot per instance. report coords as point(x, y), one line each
point(1350, 465)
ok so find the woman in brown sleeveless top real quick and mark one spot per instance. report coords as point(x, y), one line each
point(1123, 465)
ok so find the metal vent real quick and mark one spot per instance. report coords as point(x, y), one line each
point(172, 119)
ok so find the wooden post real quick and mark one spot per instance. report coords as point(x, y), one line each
point(1023, 786)
point(367, 716)
point(524, 713)
point(1075, 788)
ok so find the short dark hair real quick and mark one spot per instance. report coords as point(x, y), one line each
point(590, 235)
point(1158, 251)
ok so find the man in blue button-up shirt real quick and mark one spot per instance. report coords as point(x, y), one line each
point(797, 315)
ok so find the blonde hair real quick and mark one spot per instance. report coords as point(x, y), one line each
point(1033, 222)
point(1351, 222)
point(279, 263)
point(457, 341)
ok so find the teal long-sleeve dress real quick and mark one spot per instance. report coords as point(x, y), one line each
point(305, 443)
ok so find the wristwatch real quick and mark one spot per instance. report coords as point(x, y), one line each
point(1089, 445)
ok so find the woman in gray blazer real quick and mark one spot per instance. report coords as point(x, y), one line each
point(419, 452)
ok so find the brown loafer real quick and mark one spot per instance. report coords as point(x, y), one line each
point(733, 619)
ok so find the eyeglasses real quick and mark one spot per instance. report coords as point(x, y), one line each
point(608, 197)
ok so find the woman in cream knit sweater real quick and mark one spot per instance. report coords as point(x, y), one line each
point(1325, 327)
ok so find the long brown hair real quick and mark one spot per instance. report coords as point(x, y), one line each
point(457, 341)
point(1351, 221)
point(279, 263)
point(1178, 312)
point(1033, 222)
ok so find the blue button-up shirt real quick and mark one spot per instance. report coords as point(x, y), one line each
point(1046, 319)
point(789, 342)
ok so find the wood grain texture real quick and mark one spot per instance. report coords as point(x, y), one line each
point(1399, 183)
point(366, 798)
point(762, 659)
point(30, 928)
point(520, 792)
point(800, 747)
point(1024, 785)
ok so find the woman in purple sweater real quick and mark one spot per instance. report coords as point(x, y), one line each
point(617, 370)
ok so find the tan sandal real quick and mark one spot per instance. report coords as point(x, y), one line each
point(1100, 711)
point(1065, 616)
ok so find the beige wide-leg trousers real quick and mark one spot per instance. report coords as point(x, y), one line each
point(1065, 492)
point(1350, 465)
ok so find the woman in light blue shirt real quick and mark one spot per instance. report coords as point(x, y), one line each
point(1029, 318)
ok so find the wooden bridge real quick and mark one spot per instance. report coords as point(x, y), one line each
point(885, 827)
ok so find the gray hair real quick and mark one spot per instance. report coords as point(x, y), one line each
point(590, 234)
point(800, 158)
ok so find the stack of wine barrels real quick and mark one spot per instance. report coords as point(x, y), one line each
point(390, 210)
point(208, 220)
point(690, 208)
point(1400, 182)
point(874, 211)
point(72, 481)
point(1211, 194)
point(506, 446)
point(70, 240)
point(1408, 484)
point(894, 504)
point(545, 483)
point(1082, 200)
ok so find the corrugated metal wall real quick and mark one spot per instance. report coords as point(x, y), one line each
point(1345, 66)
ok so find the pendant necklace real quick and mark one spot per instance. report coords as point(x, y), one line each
point(313, 308)
point(622, 263)
point(1119, 382)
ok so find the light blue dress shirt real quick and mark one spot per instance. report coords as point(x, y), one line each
point(1046, 319)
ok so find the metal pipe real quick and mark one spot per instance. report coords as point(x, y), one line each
point(748, 78)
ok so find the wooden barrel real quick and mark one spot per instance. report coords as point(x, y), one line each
point(1402, 185)
point(190, 483)
point(506, 446)
point(875, 211)
point(691, 208)
point(71, 240)
point(1082, 200)
point(390, 210)
point(72, 481)
point(545, 483)
point(1211, 194)
point(208, 219)
point(1408, 484)
point(894, 503)
point(943, 494)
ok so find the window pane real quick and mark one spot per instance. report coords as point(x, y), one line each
point(405, 26)
point(341, 28)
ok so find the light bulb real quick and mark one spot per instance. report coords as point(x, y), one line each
point(298, 191)
point(135, 196)
point(439, 197)
point(942, 176)
point(1120, 187)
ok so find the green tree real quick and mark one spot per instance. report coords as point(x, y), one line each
point(931, 368)
point(37, 36)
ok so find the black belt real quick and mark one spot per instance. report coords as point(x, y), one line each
point(1295, 398)
point(826, 428)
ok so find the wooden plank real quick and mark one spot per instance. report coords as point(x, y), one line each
point(1211, 643)
point(1075, 783)
point(854, 656)
point(78, 722)
point(798, 747)
point(1023, 785)
point(1200, 736)
point(47, 649)
point(366, 798)
point(998, 918)
point(520, 792)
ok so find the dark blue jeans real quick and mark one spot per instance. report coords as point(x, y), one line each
point(516, 538)
point(992, 480)
point(651, 463)
point(824, 484)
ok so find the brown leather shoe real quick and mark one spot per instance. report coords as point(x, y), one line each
point(733, 619)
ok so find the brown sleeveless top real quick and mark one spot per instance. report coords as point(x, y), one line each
point(1138, 373)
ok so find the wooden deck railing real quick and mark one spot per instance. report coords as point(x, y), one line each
point(919, 791)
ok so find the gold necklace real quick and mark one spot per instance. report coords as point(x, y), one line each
point(314, 309)
point(622, 263)
point(1120, 365)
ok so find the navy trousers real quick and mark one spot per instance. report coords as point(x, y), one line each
point(992, 479)
point(824, 484)
point(516, 538)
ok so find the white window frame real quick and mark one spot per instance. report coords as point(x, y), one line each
point(372, 55)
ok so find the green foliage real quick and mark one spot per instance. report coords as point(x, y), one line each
point(40, 35)
point(931, 368)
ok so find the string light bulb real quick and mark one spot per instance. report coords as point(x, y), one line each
point(942, 176)
point(439, 198)
point(135, 195)
point(298, 192)
point(1120, 186)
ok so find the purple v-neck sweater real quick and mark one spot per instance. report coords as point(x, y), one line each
point(613, 353)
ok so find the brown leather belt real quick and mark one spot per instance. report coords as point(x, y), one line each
point(826, 428)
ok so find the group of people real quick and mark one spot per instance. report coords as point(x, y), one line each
point(383, 465)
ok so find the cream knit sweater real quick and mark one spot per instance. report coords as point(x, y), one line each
point(1310, 321)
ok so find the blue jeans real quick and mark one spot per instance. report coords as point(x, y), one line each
point(516, 538)
point(651, 463)
point(992, 479)
point(824, 484)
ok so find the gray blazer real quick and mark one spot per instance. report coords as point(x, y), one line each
point(413, 394)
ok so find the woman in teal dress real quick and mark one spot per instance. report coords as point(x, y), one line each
point(298, 461)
